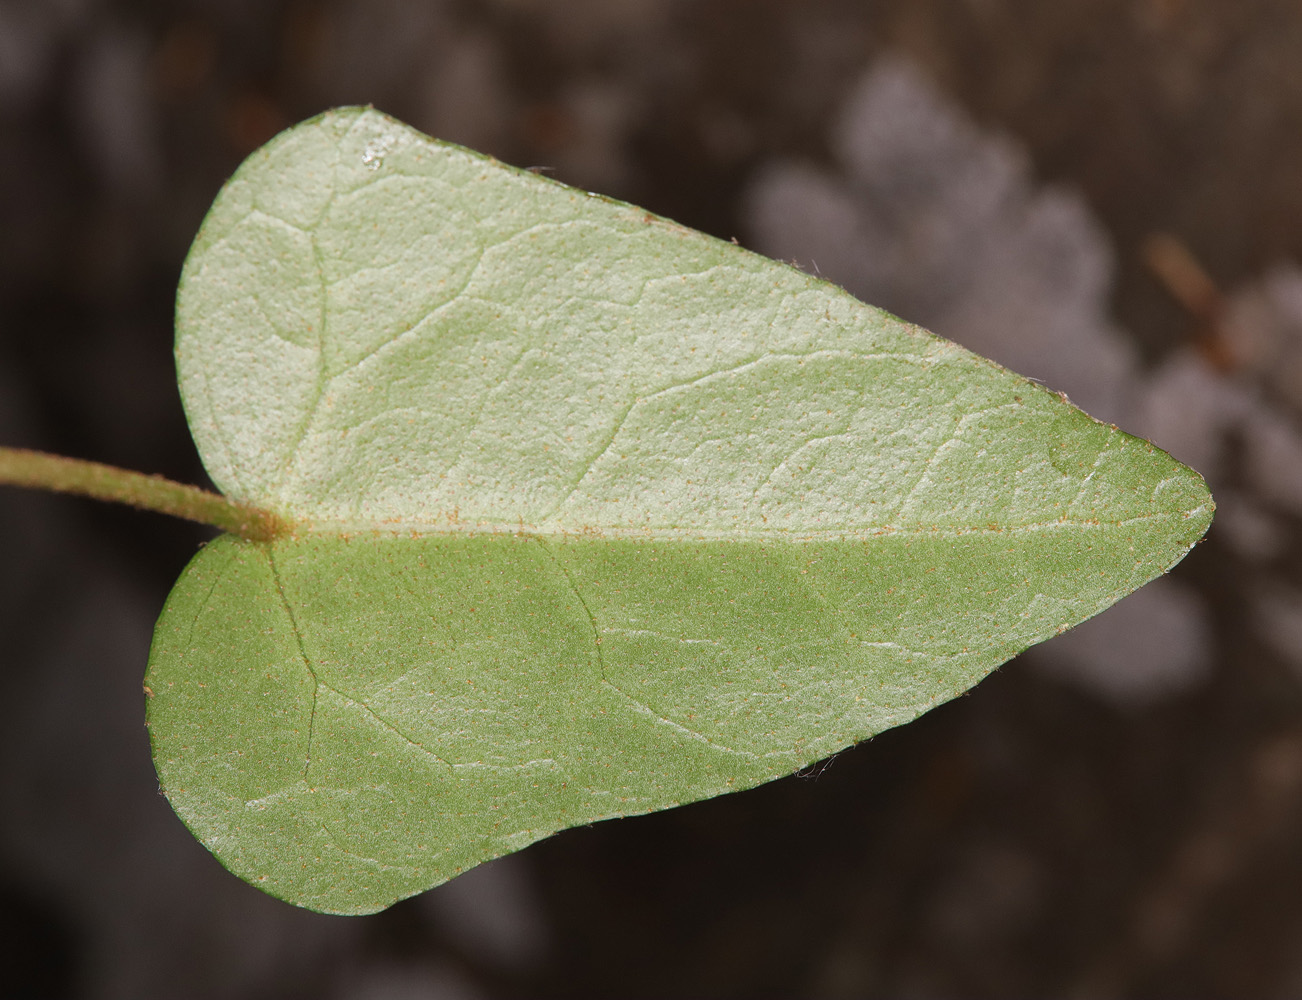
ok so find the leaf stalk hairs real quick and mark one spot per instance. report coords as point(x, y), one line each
point(38, 470)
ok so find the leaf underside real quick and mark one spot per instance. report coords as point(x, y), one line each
point(593, 515)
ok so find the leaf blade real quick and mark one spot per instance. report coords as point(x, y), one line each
point(593, 515)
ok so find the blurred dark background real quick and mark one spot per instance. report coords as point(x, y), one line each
point(1105, 194)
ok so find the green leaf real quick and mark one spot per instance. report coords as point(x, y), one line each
point(593, 515)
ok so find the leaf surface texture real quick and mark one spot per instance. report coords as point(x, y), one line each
point(593, 515)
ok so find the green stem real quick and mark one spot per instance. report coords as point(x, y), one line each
point(37, 470)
